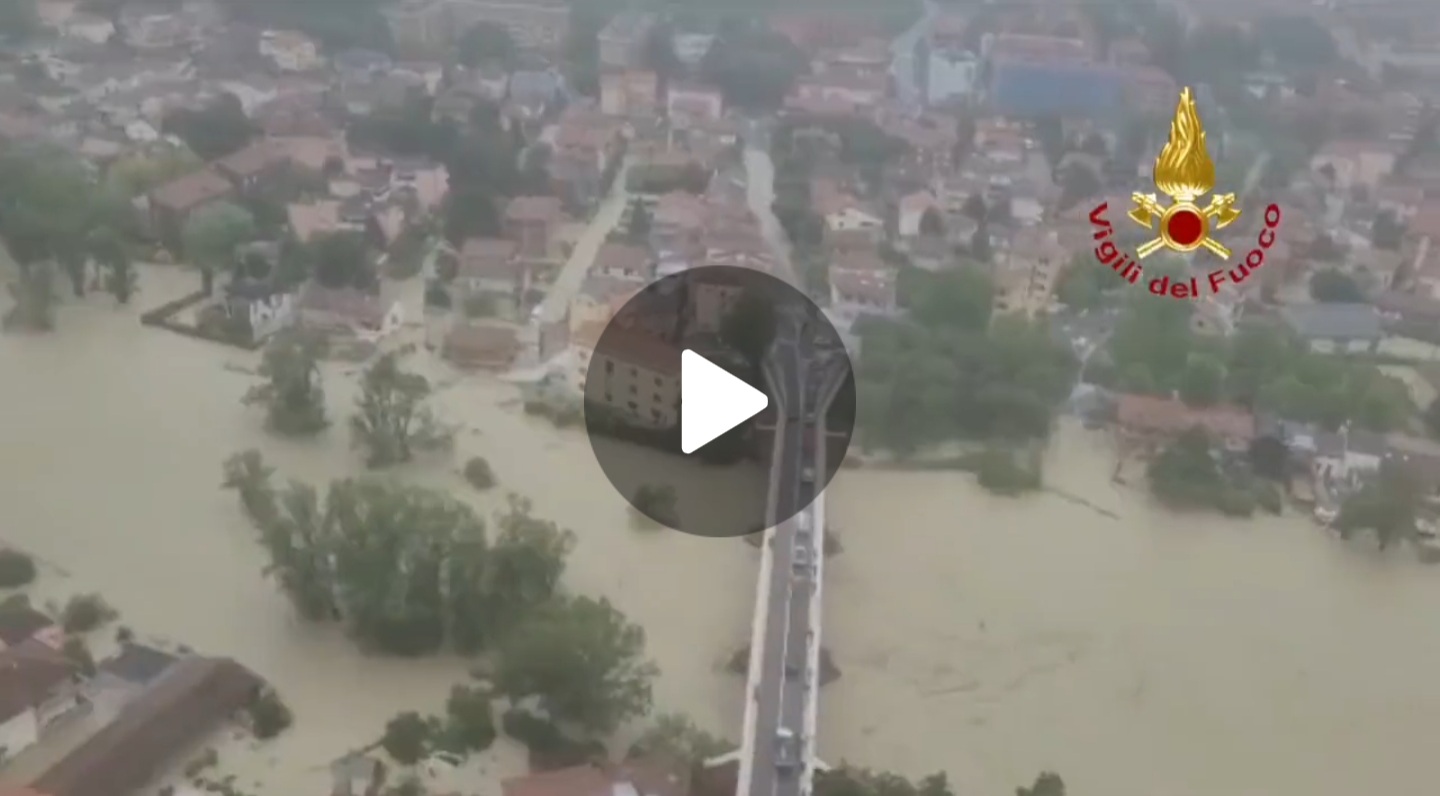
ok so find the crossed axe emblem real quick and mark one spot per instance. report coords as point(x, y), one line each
point(1148, 210)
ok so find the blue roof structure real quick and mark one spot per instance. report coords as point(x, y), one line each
point(1032, 90)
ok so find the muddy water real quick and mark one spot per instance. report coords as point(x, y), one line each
point(110, 466)
point(988, 637)
point(1149, 654)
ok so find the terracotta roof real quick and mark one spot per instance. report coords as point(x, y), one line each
point(251, 160)
point(644, 778)
point(816, 105)
point(29, 672)
point(582, 135)
point(859, 260)
point(185, 704)
point(482, 345)
point(1409, 306)
point(849, 240)
point(21, 622)
point(489, 257)
point(630, 347)
point(603, 288)
point(1169, 416)
point(680, 208)
point(621, 256)
point(1426, 221)
point(876, 286)
point(534, 209)
point(191, 191)
point(354, 305)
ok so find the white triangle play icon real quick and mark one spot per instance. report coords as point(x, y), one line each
point(712, 401)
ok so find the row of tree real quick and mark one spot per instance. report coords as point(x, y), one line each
point(854, 781)
point(392, 421)
point(947, 372)
point(1154, 351)
point(1188, 476)
point(412, 571)
point(57, 219)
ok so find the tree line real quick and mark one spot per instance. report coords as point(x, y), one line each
point(948, 372)
point(392, 422)
point(1263, 366)
point(413, 571)
point(60, 222)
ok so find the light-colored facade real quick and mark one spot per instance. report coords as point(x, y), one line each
point(710, 304)
point(622, 40)
point(426, 26)
point(636, 375)
point(291, 51)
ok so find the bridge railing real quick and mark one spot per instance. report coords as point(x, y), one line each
point(755, 670)
point(816, 608)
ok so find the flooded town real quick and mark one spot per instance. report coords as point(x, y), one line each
point(298, 494)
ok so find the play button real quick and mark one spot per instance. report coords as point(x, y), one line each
point(705, 393)
point(712, 401)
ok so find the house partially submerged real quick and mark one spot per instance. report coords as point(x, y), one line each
point(178, 710)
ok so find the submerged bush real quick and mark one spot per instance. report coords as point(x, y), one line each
point(269, 716)
point(16, 569)
point(479, 474)
point(85, 612)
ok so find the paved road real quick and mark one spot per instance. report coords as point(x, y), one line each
point(760, 194)
point(572, 274)
point(782, 684)
point(784, 692)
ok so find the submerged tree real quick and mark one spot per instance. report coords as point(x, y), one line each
point(212, 233)
point(33, 294)
point(407, 738)
point(1047, 784)
point(391, 546)
point(1388, 507)
point(391, 420)
point(118, 278)
point(300, 541)
point(675, 736)
point(524, 566)
point(247, 473)
point(749, 327)
point(583, 660)
point(409, 570)
point(293, 392)
point(849, 780)
point(470, 719)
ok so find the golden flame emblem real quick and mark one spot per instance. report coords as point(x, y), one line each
point(1184, 172)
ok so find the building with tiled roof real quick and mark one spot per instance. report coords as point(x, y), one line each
point(635, 373)
point(1153, 418)
point(182, 707)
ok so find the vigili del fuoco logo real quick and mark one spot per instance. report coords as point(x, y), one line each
point(1184, 172)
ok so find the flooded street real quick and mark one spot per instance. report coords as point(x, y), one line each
point(988, 637)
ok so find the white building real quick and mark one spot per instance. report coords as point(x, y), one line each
point(291, 51)
point(691, 48)
point(951, 76)
point(852, 218)
point(89, 27)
